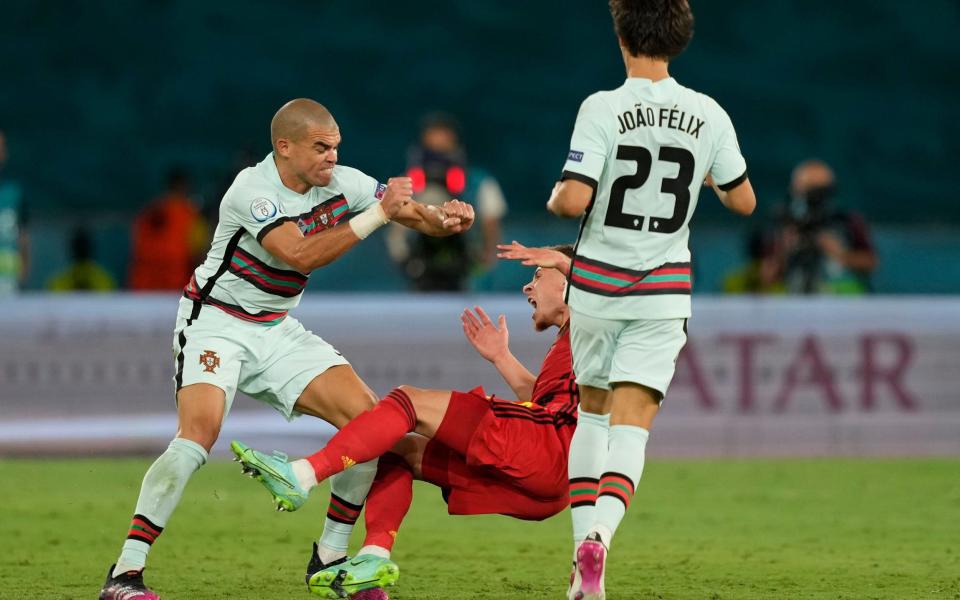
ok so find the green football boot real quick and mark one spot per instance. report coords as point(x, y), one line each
point(363, 572)
point(274, 472)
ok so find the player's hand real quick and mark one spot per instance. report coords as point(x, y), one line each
point(398, 193)
point(534, 257)
point(489, 340)
point(458, 216)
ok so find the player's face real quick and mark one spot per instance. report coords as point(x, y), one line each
point(440, 139)
point(315, 154)
point(545, 294)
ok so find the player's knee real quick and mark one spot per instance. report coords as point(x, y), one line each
point(417, 398)
point(409, 390)
point(203, 431)
point(596, 406)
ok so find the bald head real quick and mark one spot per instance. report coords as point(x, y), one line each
point(811, 174)
point(295, 117)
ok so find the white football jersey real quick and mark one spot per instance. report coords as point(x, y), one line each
point(239, 276)
point(646, 148)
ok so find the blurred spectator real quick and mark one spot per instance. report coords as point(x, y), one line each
point(169, 237)
point(820, 248)
point(14, 246)
point(761, 274)
point(438, 166)
point(83, 274)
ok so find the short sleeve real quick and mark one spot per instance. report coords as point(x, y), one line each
point(591, 142)
point(729, 169)
point(361, 190)
point(257, 213)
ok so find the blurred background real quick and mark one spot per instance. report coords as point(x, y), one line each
point(833, 308)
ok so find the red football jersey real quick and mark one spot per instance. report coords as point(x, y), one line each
point(556, 387)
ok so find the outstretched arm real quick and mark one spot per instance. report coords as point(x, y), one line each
point(535, 257)
point(308, 253)
point(452, 217)
point(492, 342)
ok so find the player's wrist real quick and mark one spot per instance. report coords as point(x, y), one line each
point(503, 358)
point(369, 221)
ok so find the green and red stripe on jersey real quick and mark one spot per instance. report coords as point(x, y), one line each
point(264, 317)
point(323, 216)
point(142, 529)
point(342, 511)
point(279, 282)
point(610, 280)
point(191, 289)
point(617, 485)
point(583, 491)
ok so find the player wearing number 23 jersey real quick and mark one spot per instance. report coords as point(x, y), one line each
point(638, 157)
point(646, 148)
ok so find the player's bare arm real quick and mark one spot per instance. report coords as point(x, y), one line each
point(546, 258)
point(305, 254)
point(492, 342)
point(570, 198)
point(454, 216)
point(739, 199)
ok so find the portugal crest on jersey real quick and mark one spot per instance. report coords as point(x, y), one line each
point(210, 361)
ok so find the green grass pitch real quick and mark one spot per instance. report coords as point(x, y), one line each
point(696, 530)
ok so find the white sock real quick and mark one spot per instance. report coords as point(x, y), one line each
point(328, 555)
point(375, 551)
point(621, 474)
point(303, 471)
point(603, 532)
point(588, 454)
point(352, 486)
point(160, 493)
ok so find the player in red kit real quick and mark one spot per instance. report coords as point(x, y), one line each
point(489, 455)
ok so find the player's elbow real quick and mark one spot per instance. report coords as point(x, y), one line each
point(300, 263)
point(570, 199)
point(746, 207)
point(741, 199)
point(564, 206)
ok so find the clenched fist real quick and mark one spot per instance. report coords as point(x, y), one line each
point(399, 192)
point(457, 216)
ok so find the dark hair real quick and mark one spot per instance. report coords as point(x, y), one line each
point(565, 249)
point(440, 120)
point(655, 28)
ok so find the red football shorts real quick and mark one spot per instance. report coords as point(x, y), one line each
point(496, 457)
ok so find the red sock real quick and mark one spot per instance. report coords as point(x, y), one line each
point(366, 437)
point(388, 501)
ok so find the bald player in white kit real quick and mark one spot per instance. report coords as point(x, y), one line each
point(638, 157)
point(280, 220)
